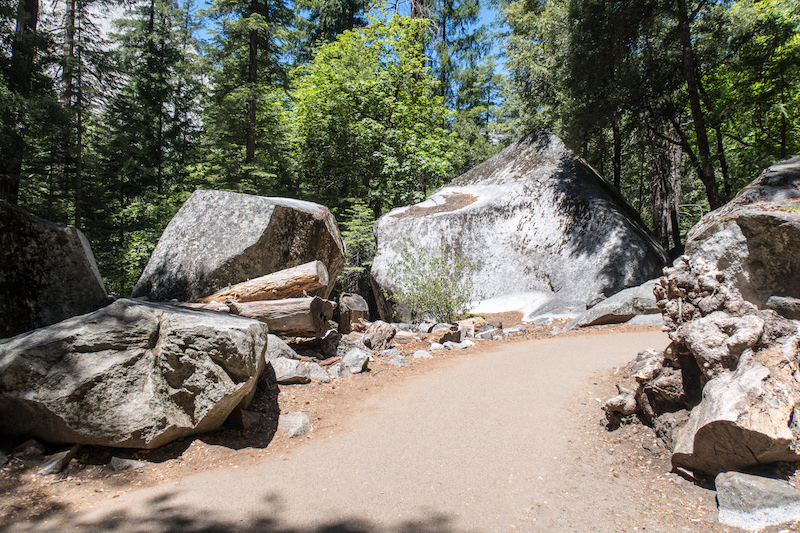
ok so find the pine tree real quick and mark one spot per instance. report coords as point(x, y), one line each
point(249, 75)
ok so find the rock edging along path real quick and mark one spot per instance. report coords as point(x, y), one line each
point(476, 444)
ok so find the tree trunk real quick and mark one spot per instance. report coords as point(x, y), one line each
point(617, 161)
point(301, 317)
point(22, 61)
point(289, 283)
point(252, 80)
point(666, 195)
point(706, 167)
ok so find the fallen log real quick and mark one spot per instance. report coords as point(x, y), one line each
point(300, 317)
point(289, 283)
point(213, 306)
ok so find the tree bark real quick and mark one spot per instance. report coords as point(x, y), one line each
point(289, 283)
point(22, 61)
point(706, 167)
point(301, 317)
point(617, 161)
point(252, 80)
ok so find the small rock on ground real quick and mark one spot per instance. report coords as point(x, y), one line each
point(294, 424)
point(753, 502)
point(356, 360)
point(339, 371)
point(399, 361)
point(119, 464)
point(422, 354)
point(58, 462)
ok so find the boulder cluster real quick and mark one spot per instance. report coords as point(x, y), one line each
point(722, 395)
point(299, 360)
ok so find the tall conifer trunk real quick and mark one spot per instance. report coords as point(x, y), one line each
point(705, 166)
point(22, 60)
point(252, 80)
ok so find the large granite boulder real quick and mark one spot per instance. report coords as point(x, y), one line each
point(47, 273)
point(544, 232)
point(133, 374)
point(754, 238)
point(220, 238)
point(747, 417)
point(619, 308)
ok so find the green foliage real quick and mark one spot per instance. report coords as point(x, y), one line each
point(367, 119)
point(437, 286)
point(247, 102)
point(675, 100)
point(357, 225)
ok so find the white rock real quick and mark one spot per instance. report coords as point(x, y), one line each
point(398, 361)
point(294, 424)
point(422, 354)
point(538, 219)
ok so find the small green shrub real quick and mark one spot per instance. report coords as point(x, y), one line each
point(438, 286)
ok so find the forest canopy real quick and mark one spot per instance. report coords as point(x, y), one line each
point(112, 114)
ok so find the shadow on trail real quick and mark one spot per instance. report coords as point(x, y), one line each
point(164, 516)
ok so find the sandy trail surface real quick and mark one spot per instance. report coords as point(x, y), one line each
point(508, 439)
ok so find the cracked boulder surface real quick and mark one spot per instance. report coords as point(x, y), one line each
point(544, 232)
point(133, 374)
point(221, 238)
point(734, 367)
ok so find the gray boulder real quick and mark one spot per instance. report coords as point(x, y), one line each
point(785, 306)
point(753, 502)
point(47, 273)
point(278, 348)
point(222, 238)
point(290, 371)
point(620, 307)
point(356, 360)
point(544, 232)
point(133, 374)
point(754, 238)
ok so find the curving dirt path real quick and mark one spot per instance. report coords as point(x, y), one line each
point(504, 440)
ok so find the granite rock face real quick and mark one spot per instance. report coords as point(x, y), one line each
point(222, 238)
point(47, 273)
point(752, 502)
point(619, 308)
point(754, 238)
point(133, 374)
point(544, 232)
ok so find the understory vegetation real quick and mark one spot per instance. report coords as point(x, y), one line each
point(112, 114)
point(435, 286)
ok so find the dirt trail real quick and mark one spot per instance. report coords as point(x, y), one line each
point(504, 440)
